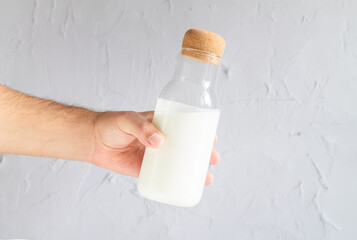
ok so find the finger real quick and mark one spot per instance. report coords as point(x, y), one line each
point(214, 157)
point(137, 125)
point(209, 178)
point(149, 115)
point(215, 140)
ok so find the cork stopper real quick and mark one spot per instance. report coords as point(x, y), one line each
point(203, 46)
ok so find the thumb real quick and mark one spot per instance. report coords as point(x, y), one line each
point(137, 125)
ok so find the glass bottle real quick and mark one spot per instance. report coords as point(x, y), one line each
point(187, 114)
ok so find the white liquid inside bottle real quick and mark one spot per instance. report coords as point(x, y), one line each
point(176, 172)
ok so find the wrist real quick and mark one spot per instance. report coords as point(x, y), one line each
point(92, 140)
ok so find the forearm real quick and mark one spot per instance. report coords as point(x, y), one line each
point(33, 126)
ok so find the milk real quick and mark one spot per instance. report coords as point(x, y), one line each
point(176, 172)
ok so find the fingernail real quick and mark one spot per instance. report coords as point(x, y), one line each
point(156, 139)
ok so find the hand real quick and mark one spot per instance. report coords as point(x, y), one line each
point(120, 139)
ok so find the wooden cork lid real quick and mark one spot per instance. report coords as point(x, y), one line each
point(203, 46)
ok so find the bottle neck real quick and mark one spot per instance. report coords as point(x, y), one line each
point(195, 71)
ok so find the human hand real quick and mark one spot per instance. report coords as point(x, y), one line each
point(120, 139)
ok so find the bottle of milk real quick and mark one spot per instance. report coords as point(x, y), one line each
point(187, 115)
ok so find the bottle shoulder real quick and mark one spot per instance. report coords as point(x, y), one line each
point(190, 93)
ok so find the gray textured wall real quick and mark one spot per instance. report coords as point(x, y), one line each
point(287, 135)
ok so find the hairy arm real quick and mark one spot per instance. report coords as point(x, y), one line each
point(33, 126)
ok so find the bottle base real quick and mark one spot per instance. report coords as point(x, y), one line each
point(162, 198)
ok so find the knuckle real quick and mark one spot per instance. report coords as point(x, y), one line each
point(127, 115)
point(145, 126)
